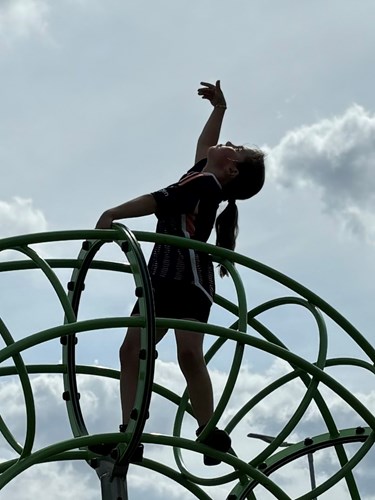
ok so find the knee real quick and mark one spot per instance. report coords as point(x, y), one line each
point(190, 359)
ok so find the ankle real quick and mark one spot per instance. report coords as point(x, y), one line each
point(201, 428)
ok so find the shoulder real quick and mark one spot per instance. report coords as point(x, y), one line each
point(199, 166)
point(195, 176)
point(203, 179)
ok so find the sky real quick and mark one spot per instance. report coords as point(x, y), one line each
point(99, 105)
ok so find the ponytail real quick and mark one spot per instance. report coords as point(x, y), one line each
point(226, 226)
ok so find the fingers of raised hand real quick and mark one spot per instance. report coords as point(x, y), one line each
point(206, 93)
point(209, 85)
point(211, 92)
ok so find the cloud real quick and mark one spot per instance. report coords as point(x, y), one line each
point(60, 481)
point(335, 158)
point(19, 216)
point(21, 18)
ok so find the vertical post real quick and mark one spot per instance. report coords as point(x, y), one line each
point(113, 487)
point(310, 458)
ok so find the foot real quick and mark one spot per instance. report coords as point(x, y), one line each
point(218, 440)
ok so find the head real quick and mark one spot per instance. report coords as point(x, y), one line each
point(244, 170)
point(242, 176)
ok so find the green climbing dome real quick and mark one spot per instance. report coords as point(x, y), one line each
point(254, 476)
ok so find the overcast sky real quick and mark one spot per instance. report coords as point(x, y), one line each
point(98, 104)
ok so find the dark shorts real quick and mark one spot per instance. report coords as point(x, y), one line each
point(179, 300)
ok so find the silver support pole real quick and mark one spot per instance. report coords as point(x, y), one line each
point(113, 488)
point(310, 458)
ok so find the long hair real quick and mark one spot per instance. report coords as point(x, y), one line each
point(248, 183)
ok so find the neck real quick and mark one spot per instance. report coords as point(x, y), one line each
point(218, 172)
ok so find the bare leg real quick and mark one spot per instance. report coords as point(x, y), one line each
point(129, 361)
point(193, 366)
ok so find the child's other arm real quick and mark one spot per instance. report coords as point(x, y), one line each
point(138, 207)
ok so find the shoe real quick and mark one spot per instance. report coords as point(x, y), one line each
point(218, 440)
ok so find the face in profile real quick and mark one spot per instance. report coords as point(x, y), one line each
point(221, 153)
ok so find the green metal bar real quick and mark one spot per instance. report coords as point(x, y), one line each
point(238, 465)
point(343, 472)
point(288, 356)
point(216, 330)
point(68, 329)
point(300, 449)
point(175, 476)
point(326, 414)
point(92, 370)
point(312, 298)
point(53, 279)
point(223, 253)
point(350, 361)
point(238, 355)
point(22, 265)
point(217, 252)
point(311, 374)
point(45, 454)
point(242, 412)
point(66, 455)
point(53, 236)
point(147, 341)
point(324, 410)
point(29, 401)
point(75, 289)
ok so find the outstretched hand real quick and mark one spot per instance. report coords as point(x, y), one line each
point(213, 93)
point(105, 221)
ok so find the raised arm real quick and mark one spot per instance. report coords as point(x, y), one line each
point(211, 131)
point(143, 205)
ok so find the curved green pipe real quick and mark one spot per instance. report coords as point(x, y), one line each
point(142, 279)
point(300, 449)
point(97, 324)
point(275, 275)
point(75, 288)
point(53, 279)
point(324, 410)
point(176, 477)
point(301, 408)
point(29, 401)
point(217, 252)
point(22, 265)
point(271, 273)
point(48, 452)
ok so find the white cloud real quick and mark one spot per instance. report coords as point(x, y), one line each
point(21, 18)
point(334, 158)
point(19, 216)
point(60, 481)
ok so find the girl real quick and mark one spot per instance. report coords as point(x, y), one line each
point(183, 279)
